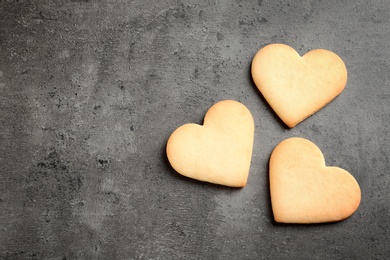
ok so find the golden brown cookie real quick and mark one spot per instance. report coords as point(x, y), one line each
point(304, 190)
point(294, 86)
point(220, 150)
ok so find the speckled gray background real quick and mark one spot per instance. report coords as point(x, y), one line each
point(91, 90)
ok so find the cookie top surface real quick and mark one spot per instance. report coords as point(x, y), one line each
point(294, 86)
point(220, 150)
point(304, 190)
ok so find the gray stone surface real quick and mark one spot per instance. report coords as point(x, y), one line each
point(91, 90)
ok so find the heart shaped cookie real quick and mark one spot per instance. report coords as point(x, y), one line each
point(220, 150)
point(304, 190)
point(294, 86)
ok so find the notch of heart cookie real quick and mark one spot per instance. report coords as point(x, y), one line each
point(220, 150)
point(297, 86)
point(304, 190)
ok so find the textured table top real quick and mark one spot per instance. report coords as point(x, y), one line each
point(91, 90)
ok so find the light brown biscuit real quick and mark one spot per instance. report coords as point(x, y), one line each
point(294, 86)
point(304, 190)
point(220, 150)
